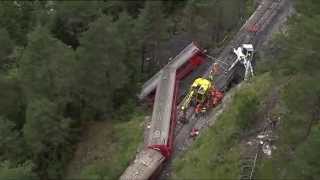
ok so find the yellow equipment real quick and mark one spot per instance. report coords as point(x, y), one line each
point(200, 89)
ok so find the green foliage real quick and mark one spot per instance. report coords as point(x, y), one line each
point(44, 83)
point(11, 100)
point(16, 18)
point(126, 33)
point(299, 113)
point(10, 141)
point(115, 8)
point(216, 153)
point(48, 136)
point(17, 172)
point(152, 31)
point(249, 6)
point(46, 67)
point(246, 103)
point(72, 18)
point(309, 7)
point(101, 69)
point(6, 48)
point(301, 57)
point(306, 164)
point(301, 98)
point(171, 6)
point(208, 22)
point(293, 162)
point(297, 68)
point(151, 24)
point(122, 144)
point(44, 128)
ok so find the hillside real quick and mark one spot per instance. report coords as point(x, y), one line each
point(70, 72)
point(285, 91)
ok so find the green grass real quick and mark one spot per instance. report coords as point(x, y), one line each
point(216, 153)
point(297, 69)
point(122, 145)
point(298, 144)
point(249, 8)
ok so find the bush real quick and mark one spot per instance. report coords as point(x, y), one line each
point(48, 136)
point(246, 104)
point(122, 143)
point(18, 172)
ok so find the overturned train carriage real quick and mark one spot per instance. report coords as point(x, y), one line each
point(180, 60)
point(159, 140)
point(145, 164)
point(161, 123)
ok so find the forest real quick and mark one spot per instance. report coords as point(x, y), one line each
point(64, 63)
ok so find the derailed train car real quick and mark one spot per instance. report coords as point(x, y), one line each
point(160, 139)
point(163, 116)
point(145, 164)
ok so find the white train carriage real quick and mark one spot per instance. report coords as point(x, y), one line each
point(143, 167)
point(183, 57)
point(159, 134)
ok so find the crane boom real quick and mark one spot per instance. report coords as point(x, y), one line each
point(186, 101)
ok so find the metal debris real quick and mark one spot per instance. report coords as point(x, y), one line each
point(266, 149)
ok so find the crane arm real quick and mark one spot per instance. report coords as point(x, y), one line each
point(187, 100)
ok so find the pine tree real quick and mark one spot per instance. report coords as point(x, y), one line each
point(46, 68)
point(101, 70)
point(72, 18)
point(6, 51)
point(11, 100)
point(125, 31)
point(48, 136)
point(6, 48)
point(152, 30)
point(16, 17)
point(208, 21)
point(10, 141)
point(201, 21)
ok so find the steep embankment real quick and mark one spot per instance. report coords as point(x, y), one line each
point(216, 153)
point(285, 92)
point(105, 148)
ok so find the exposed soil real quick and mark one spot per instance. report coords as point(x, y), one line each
point(92, 148)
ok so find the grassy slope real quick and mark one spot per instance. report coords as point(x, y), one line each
point(107, 149)
point(216, 154)
point(298, 65)
point(295, 66)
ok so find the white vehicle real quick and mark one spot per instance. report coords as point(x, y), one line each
point(244, 55)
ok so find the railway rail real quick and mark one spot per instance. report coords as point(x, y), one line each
point(160, 146)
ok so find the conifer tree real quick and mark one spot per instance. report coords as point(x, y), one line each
point(101, 70)
point(47, 67)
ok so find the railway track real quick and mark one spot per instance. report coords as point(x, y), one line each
point(254, 151)
point(264, 16)
point(147, 161)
